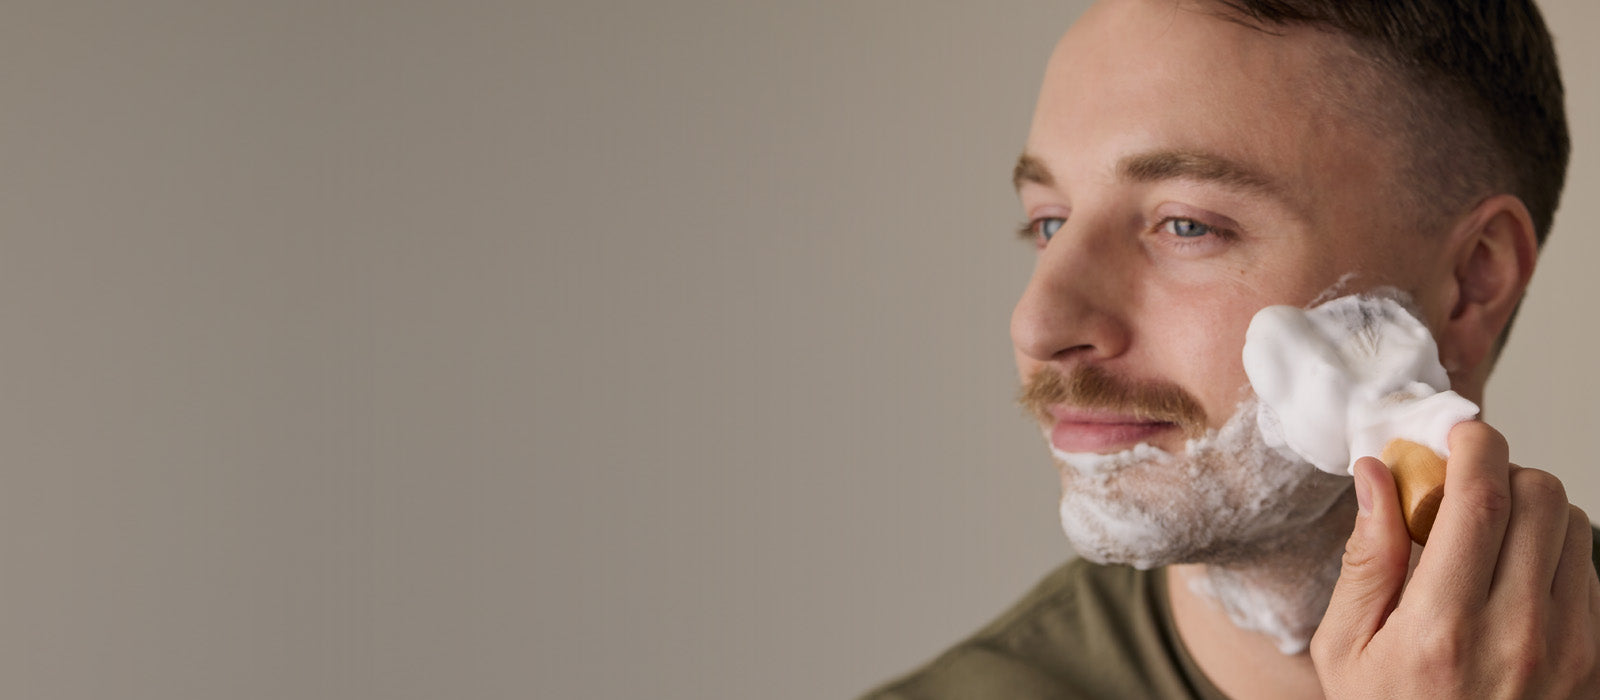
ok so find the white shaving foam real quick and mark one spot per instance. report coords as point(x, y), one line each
point(1221, 496)
point(1342, 379)
point(1226, 500)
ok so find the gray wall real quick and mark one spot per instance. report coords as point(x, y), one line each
point(496, 350)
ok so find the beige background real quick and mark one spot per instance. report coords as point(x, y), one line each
point(504, 350)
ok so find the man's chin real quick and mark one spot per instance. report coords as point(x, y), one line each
point(1110, 533)
point(1140, 543)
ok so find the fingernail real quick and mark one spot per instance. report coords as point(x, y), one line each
point(1363, 492)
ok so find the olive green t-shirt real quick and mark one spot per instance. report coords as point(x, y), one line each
point(1086, 631)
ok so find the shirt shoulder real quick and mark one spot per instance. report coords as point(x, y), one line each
point(1085, 631)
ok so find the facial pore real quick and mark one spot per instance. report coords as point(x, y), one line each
point(1227, 498)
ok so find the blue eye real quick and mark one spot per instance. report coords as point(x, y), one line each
point(1186, 228)
point(1046, 228)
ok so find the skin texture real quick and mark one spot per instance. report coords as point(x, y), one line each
point(1116, 287)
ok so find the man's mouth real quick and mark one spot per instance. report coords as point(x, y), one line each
point(1079, 431)
point(1091, 410)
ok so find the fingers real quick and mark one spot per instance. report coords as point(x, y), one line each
point(1504, 602)
point(1572, 642)
point(1374, 570)
point(1575, 574)
point(1535, 535)
point(1457, 566)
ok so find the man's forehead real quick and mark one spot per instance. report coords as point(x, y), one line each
point(1211, 96)
point(1152, 30)
point(1153, 51)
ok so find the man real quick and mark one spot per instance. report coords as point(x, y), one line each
point(1191, 162)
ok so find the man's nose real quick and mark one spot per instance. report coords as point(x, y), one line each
point(1074, 303)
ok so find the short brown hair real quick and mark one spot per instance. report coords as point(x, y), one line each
point(1484, 105)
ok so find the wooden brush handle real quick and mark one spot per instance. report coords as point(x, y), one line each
point(1419, 475)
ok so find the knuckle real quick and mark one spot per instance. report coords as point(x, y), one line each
point(1537, 487)
point(1580, 536)
point(1578, 520)
point(1486, 499)
point(1323, 654)
point(1359, 555)
point(1577, 659)
point(1356, 556)
point(1523, 654)
point(1440, 648)
point(1522, 671)
point(1477, 436)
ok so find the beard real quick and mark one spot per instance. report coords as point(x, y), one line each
point(1228, 498)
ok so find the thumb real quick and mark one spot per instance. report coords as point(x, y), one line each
point(1375, 562)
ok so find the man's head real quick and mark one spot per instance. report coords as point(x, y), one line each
point(1192, 161)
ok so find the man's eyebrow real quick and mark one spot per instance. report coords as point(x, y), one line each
point(1161, 165)
point(1031, 169)
point(1193, 165)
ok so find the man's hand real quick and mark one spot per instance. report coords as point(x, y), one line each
point(1504, 602)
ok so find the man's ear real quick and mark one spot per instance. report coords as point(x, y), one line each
point(1493, 251)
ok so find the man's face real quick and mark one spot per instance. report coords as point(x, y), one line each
point(1188, 171)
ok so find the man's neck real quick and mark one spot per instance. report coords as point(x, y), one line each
point(1246, 622)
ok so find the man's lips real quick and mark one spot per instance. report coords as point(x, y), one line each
point(1099, 432)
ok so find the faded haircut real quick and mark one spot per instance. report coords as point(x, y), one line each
point(1477, 99)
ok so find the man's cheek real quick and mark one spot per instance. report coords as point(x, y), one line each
point(1211, 374)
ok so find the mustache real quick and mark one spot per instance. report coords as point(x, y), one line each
point(1091, 387)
